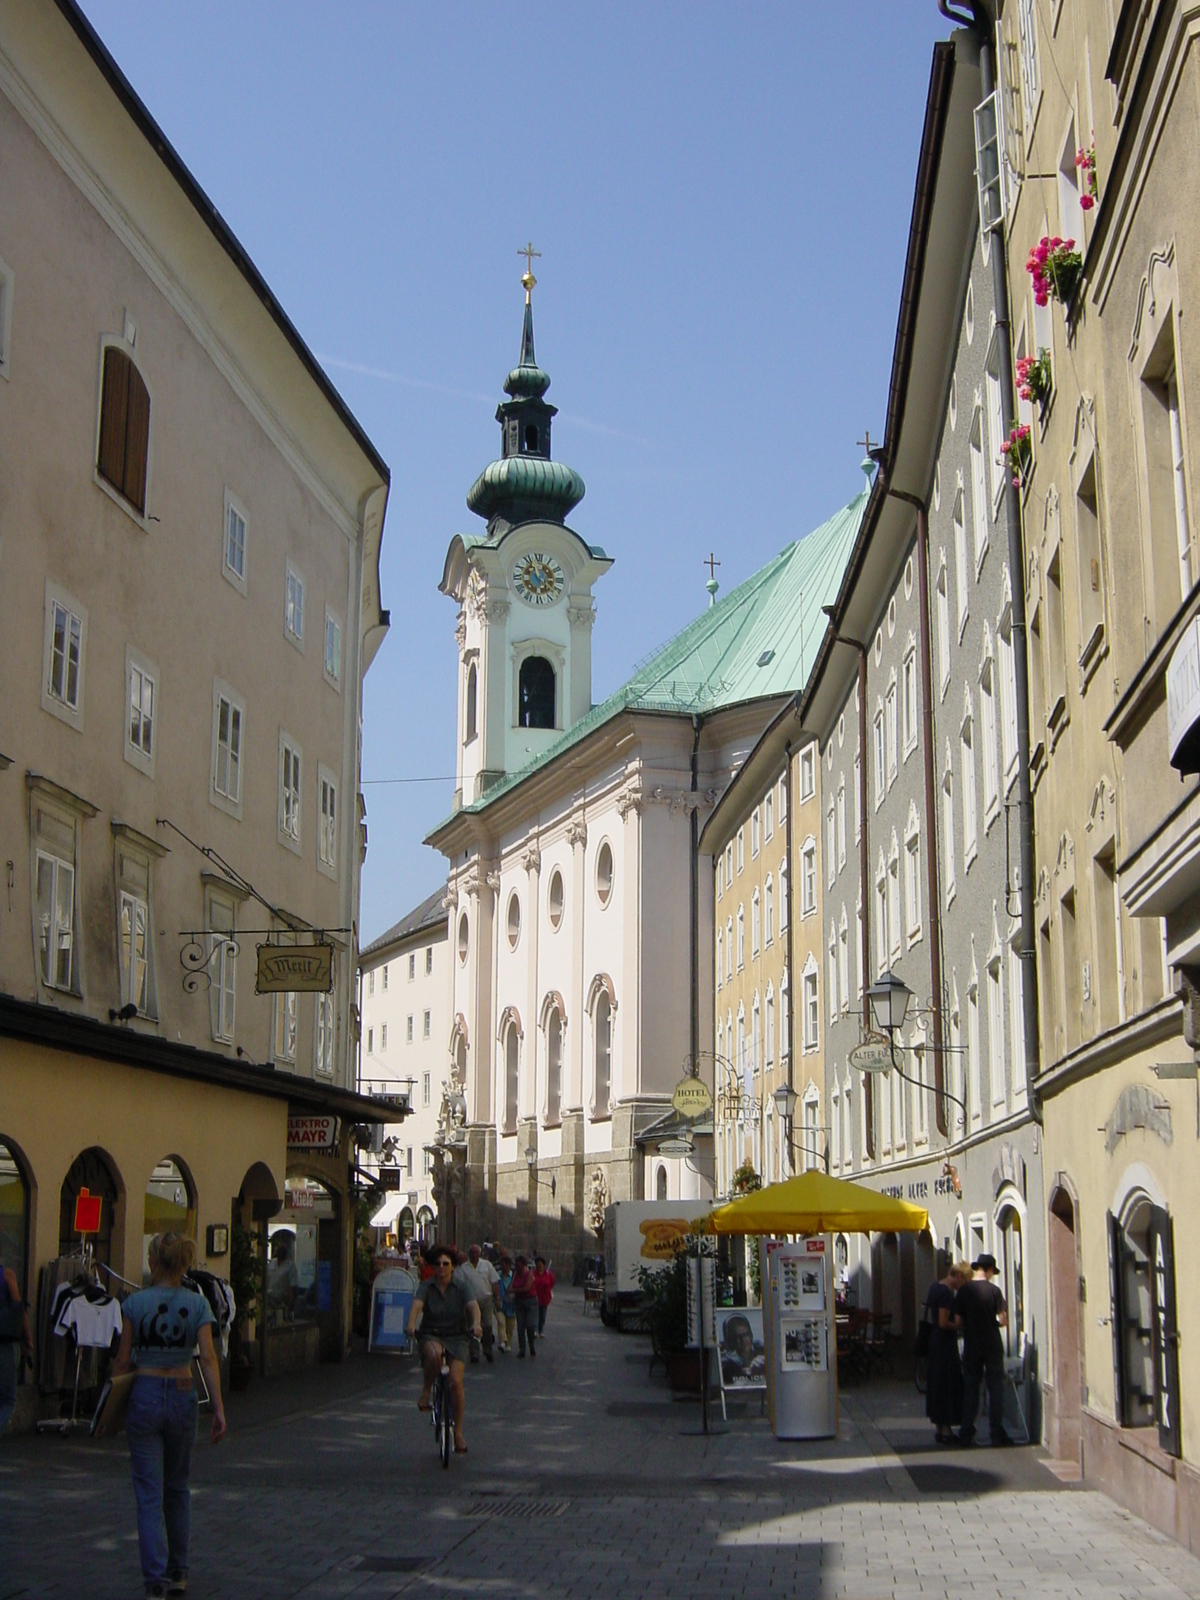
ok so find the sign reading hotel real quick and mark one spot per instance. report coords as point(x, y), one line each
point(692, 1098)
point(294, 969)
point(312, 1133)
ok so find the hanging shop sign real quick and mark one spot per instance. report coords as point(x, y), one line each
point(874, 1054)
point(294, 969)
point(312, 1133)
point(692, 1098)
point(87, 1212)
point(675, 1147)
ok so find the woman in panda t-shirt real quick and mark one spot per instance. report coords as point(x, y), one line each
point(162, 1327)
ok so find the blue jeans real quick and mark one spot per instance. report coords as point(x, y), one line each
point(160, 1425)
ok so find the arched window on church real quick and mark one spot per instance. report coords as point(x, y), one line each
point(531, 436)
point(535, 701)
point(554, 1054)
point(472, 698)
point(512, 1063)
point(603, 1055)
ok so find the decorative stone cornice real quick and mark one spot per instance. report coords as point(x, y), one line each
point(685, 800)
point(493, 882)
point(531, 860)
point(577, 834)
point(460, 630)
point(581, 615)
point(630, 800)
point(497, 610)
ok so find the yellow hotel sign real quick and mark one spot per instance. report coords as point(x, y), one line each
point(294, 969)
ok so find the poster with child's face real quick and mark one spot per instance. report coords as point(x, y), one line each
point(740, 1343)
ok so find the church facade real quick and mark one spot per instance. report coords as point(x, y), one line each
point(576, 914)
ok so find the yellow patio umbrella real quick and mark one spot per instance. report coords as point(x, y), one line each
point(812, 1202)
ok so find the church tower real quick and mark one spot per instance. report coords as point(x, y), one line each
point(524, 590)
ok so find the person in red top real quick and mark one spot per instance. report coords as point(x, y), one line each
point(524, 1291)
point(543, 1283)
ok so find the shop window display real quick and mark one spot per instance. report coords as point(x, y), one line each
point(299, 1279)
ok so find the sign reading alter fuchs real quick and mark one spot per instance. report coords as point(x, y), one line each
point(294, 969)
point(312, 1133)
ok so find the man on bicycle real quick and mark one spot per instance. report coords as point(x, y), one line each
point(447, 1321)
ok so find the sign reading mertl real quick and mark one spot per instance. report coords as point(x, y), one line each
point(294, 969)
point(1183, 701)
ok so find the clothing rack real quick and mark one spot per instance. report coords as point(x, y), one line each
point(87, 1271)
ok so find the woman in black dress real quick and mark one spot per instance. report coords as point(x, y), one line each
point(944, 1385)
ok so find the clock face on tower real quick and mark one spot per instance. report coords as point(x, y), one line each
point(538, 579)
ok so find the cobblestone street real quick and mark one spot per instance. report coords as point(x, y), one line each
point(583, 1478)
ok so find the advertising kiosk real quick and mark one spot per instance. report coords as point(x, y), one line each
point(801, 1337)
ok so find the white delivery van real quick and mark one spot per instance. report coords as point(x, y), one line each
point(641, 1233)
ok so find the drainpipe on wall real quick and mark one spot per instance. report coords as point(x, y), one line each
point(1027, 951)
point(931, 854)
point(788, 948)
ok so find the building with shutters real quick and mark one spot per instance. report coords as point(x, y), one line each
point(1099, 112)
point(404, 997)
point(189, 598)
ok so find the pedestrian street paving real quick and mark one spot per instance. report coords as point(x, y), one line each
point(583, 1479)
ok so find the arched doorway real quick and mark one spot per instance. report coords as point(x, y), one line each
point(14, 1215)
point(405, 1225)
point(660, 1183)
point(169, 1206)
point(91, 1171)
point(425, 1225)
point(1010, 1250)
point(1063, 1239)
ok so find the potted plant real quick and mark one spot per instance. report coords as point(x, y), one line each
point(665, 1291)
point(1035, 377)
point(1085, 162)
point(1019, 453)
point(245, 1279)
point(1054, 264)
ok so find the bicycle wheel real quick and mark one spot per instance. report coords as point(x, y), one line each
point(444, 1420)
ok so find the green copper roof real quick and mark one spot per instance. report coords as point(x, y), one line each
point(539, 485)
point(760, 641)
point(525, 380)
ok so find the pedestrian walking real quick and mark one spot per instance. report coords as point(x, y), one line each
point(472, 1278)
point(543, 1280)
point(508, 1306)
point(16, 1341)
point(983, 1312)
point(524, 1292)
point(944, 1381)
point(161, 1328)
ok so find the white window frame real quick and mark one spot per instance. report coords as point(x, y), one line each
point(134, 856)
point(755, 833)
point(221, 798)
point(233, 507)
point(783, 799)
point(729, 950)
point(755, 924)
point(325, 1034)
point(841, 821)
point(980, 502)
point(290, 792)
point(220, 919)
point(948, 856)
point(1008, 699)
point(831, 844)
point(332, 678)
point(808, 772)
point(138, 666)
point(844, 962)
point(769, 911)
point(52, 863)
point(880, 752)
point(60, 705)
point(995, 423)
point(811, 1008)
point(970, 799)
point(831, 974)
point(893, 729)
point(741, 851)
point(783, 895)
point(769, 816)
point(962, 570)
point(912, 883)
point(285, 1029)
point(910, 699)
point(294, 598)
point(857, 796)
point(893, 896)
point(741, 938)
point(996, 1074)
point(988, 731)
point(720, 957)
point(941, 591)
point(327, 814)
point(808, 877)
point(1031, 84)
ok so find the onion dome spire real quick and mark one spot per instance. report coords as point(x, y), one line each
point(525, 485)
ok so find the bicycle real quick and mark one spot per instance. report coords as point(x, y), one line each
point(440, 1409)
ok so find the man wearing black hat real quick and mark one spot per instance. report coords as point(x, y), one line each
point(981, 1307)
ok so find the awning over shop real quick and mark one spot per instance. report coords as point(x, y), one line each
point(816, 1203)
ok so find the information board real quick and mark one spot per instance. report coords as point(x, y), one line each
point(392, 1295)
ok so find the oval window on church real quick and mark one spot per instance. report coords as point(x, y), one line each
point(604, 873)
point(514, 922)
point(555, 899)
point(464, 937)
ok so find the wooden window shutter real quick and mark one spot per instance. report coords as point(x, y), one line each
point(137, 439)
point(114, 412)
point(1165, 1341)
point(1116, 1316)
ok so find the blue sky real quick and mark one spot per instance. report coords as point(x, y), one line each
point(721, 195)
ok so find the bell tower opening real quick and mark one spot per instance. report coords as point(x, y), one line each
point(531, 437)
point(536, 694)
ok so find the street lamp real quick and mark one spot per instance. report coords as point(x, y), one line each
point(889, 1006)
point(531, 1155)
point(785, 1098)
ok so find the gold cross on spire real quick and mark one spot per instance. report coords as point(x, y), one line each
point(710, 561)
point(528, 281)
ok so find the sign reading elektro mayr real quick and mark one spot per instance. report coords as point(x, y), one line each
point(1183, 701)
